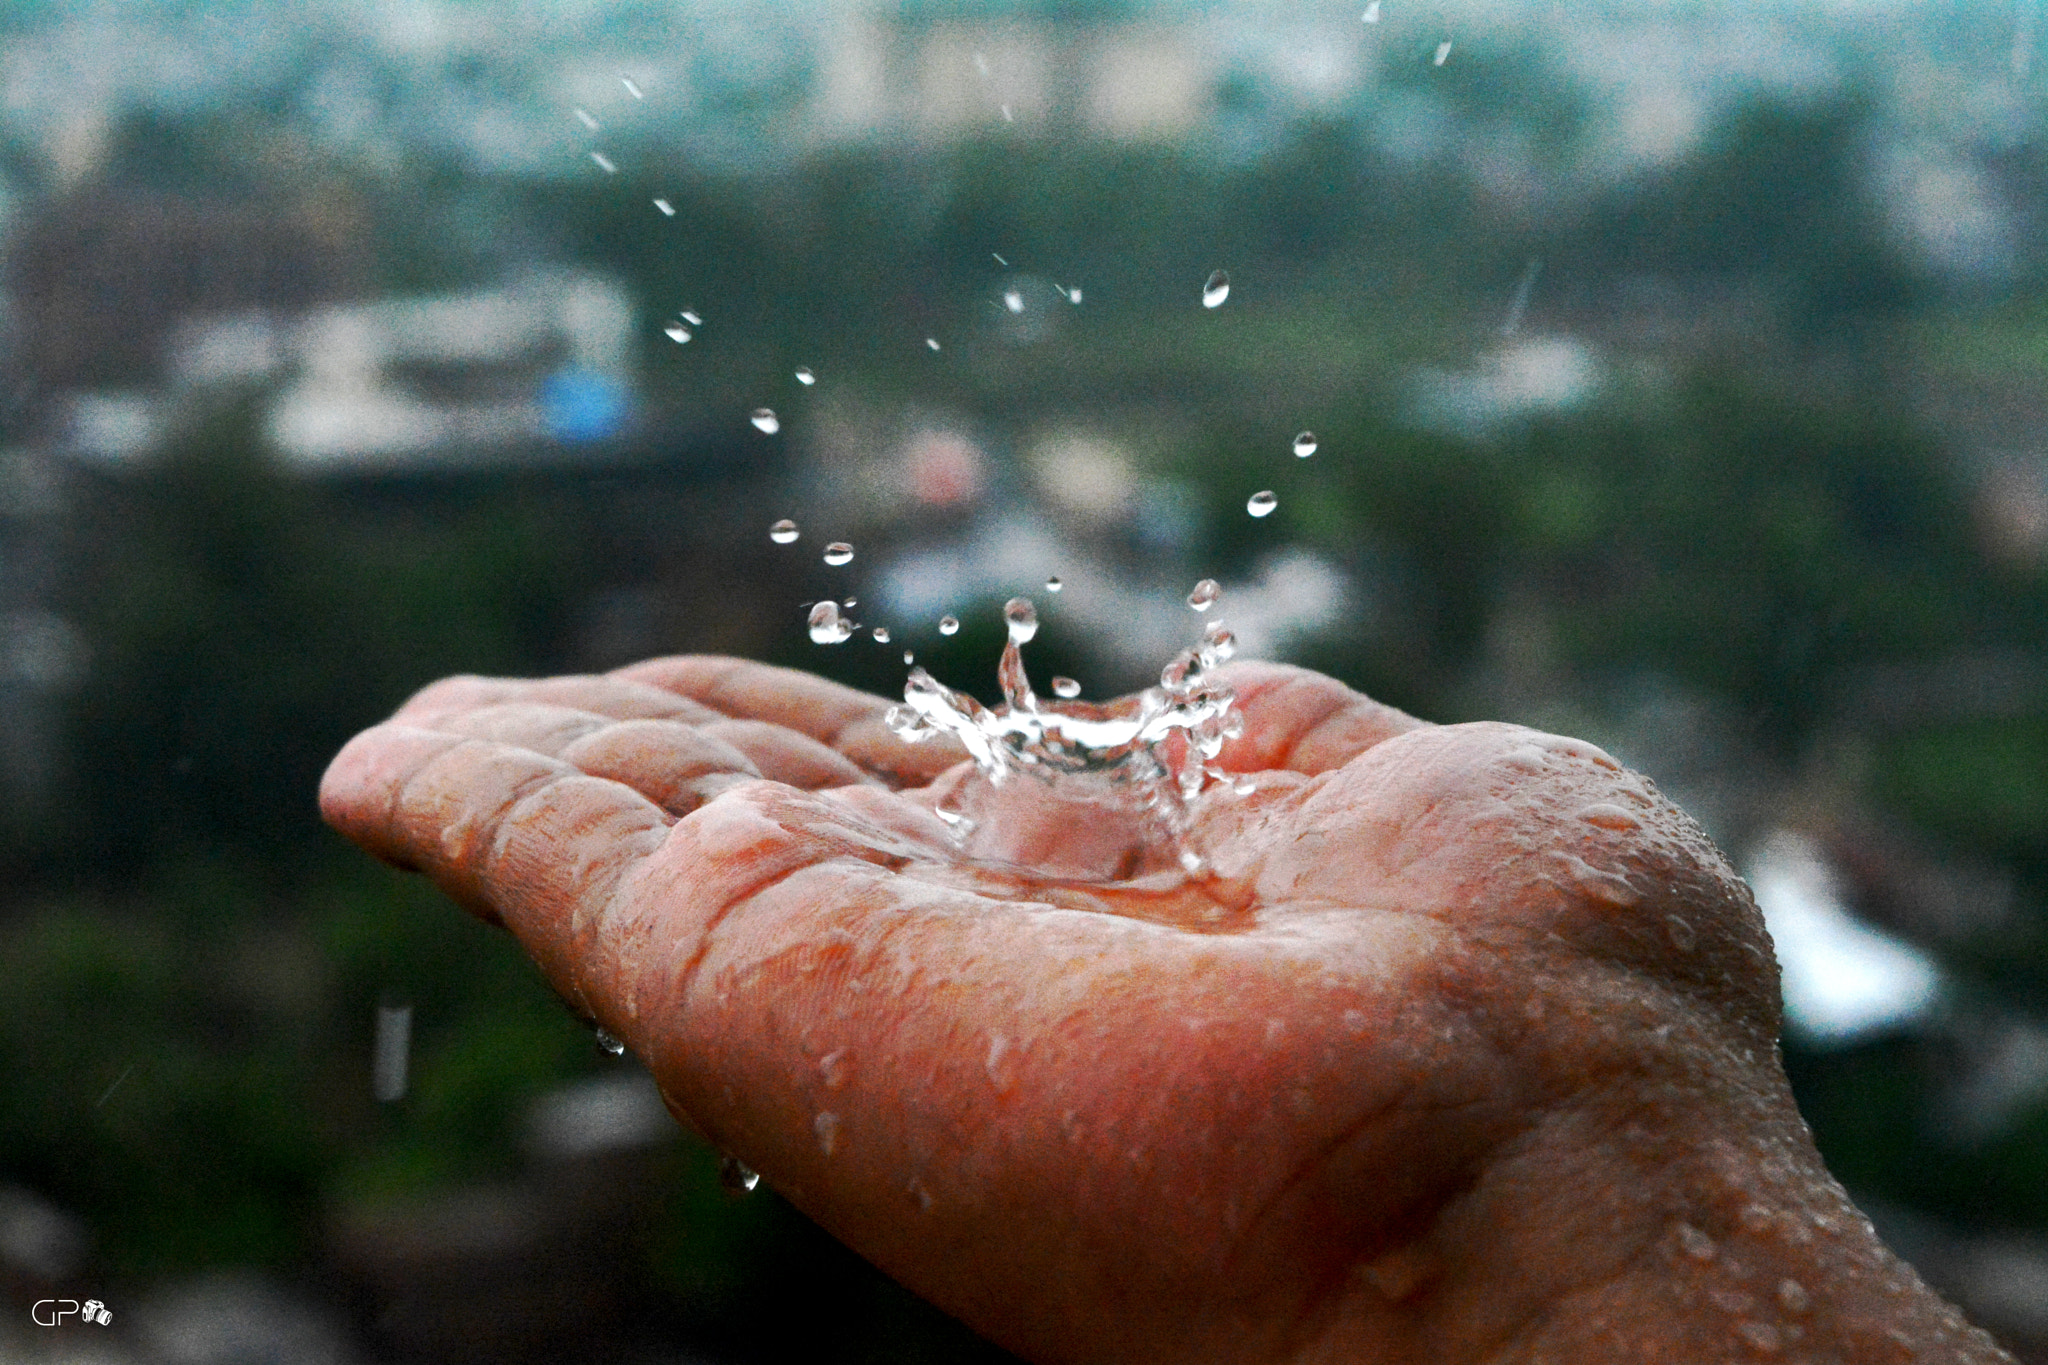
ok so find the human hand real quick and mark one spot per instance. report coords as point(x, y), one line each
point(1460, 1049)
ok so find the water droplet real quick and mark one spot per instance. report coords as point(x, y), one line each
point(827, 626)
point(1022, 619)
point(1261, 503)
point(631, 88)
point(1792, 1296)
point(605, 163)
point(1216, 290)
point(881, 634)
point(932, 342)
point(1205, 594)
point(692, 318)
point(1684, 937)
point(736, 1176)
point(1065, 688)
point(677, 333)
point(764, 419)
point(838, 552)
point(1218, 644)
point(1762, 1337)
point(1443, 53)
point(849, 602)
point(1372, 12)
point(999, 260)
point(949, 625)
point(1008, 117)
point(1603, 815)
point(909, 657)
point(783, 532)
point(832, 1067)
point(804, 376)
point(668, 210)
point(609, 1043)
point(1695, 1243)
point(826, 1126)
point(588, 121)
point(1013, 300)
point(1053, 584)
point(1073, 296)
point(1305, 445)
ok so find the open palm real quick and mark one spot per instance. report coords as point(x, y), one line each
point(1461, 1047)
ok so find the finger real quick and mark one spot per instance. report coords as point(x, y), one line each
point(839, 717)
point(514, 836)
point(620, 699)
point(1303, 721)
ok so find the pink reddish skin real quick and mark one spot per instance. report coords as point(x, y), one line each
point(1462, 1048)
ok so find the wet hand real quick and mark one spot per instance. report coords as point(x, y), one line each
point(1460, 1046)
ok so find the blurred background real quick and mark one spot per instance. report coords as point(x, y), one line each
point(1675, 378)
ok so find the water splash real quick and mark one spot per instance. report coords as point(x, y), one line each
point(827, 626)
point(1129, 745)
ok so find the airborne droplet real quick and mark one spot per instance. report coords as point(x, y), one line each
point(783, 532)
point(736, 1175)
point(1216, 290)
point(1305, 445)
point(1013, 300)
point(764, 419)
point(1073, 296)
point(828, 627)
point(1022, 619)
point(949, 625)
point(587, 120)
point(631, 88)
point(609, 1043)
point(677, 333)
point(1205, 594)
point(692, 318)
point(838, 552)
point(668, 210)
point(605, 163)
point(1065, 687)
point(1053, 584)
point(804, 376)
point(1261, 503)
point(1443, 53)
point(932, 342)
point(1372, 12)
point(881, 635)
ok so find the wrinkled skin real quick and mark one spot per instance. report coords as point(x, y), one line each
point(1461, 1049)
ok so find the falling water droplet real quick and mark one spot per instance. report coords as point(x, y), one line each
point(849, 602)
point(1073, 296)
point(1022, 619)
point(881, 635)
point(1008, 117)
point(764, 419)
point(909, 657)
point(736, 1176)
point(1216, 290)
point(932, 342)
point(1013, 300)
point(804, 376)
point(783, 532)
point(981, 66)
point(609, 1043)
point(949, 625)
point(1305, 445)
point(1205, 594)
point(692, 318)
point(588, 121)
point(1443, 53)
point(828, 627)
point(631, 88)
point(838, 552)
point(1372, 12)
point(605, 163)
point(1053, 584)
point(1065, 688)
point(1261, 503)
point(668, 210)
point(677, 333)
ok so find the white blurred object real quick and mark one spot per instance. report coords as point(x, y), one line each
point(605, 1114)
point(1844, 980)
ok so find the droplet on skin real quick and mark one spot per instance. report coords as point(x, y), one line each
point(826, 1126)
point(1761, 1337)
point(949, 625)
point(1065, 688)
point(736, 1176)
point(631, 88)
point(1695, 1243)
point(1205, 594)
point(1684, 937)
point(827, 626)
point(1013, 300)
point(1022, 619)
point(837, 553)
point(677, 333)
point(1605, 816)
point(765, 420)
point(588, 121)
point(832, 1067)
point(1261, 503)
point(1216, 290)
point(1053, 584)
point(605, 163)
point(804, 376)
point(1792, 1296)
point(1443, 53)
point(1304, 445)
point(783, 532)
point(668, 210)
point(609, 1043)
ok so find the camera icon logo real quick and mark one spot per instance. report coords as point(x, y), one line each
point(52, 1312)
